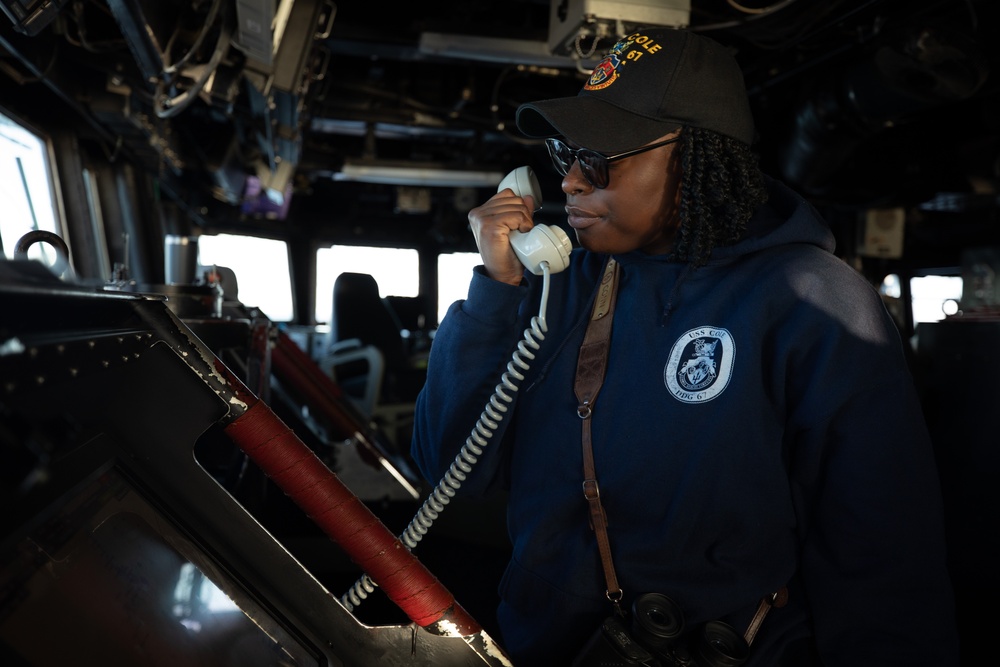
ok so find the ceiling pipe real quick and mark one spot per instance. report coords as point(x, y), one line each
point(923, 70)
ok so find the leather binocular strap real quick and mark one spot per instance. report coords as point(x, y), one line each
point(777, 599)
point(591, 366)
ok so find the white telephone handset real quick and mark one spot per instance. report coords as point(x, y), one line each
point(543, 243)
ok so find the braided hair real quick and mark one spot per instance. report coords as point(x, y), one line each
point(721, 187)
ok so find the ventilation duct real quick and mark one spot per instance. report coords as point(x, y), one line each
point(923, 70)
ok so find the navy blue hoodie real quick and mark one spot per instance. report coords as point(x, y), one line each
point(758, 427)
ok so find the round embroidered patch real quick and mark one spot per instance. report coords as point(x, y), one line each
point(700, 364)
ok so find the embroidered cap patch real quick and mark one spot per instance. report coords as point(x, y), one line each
point(700, 364)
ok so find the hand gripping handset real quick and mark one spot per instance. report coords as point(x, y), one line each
point(543, 250)
point(542, 243)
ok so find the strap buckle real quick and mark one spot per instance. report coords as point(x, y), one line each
point(614, 597)
point(590, 489)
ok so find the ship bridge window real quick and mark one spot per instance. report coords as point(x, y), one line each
point(932, 297)
point(935, 297)
point(26, 189)
point(262, 270)
point(454, 274)
point(396, 270)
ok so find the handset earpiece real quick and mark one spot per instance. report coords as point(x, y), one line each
point(524, 183)
point(543, 244)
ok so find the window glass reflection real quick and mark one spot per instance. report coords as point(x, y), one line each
point(103, 573)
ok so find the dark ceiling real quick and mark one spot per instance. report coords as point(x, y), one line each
point(859, 103)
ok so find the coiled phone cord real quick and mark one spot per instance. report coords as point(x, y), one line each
point(478, 439)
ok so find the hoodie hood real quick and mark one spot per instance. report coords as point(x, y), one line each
point(784, 218)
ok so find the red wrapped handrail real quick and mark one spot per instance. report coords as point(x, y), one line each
point(305, 479)
point(344, 518)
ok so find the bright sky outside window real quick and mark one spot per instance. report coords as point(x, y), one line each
point(261, 267)
point(25, 189)
point(454, 274)
point(396, 270)
point(934, 297)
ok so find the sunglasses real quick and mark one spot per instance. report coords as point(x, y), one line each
point(593, 165)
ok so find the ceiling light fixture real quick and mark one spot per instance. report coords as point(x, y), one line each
point(417, 174)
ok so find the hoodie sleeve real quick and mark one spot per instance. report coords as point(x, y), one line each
point(867, 492)
point(468, 357)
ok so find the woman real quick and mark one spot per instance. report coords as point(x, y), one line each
point(757, 430)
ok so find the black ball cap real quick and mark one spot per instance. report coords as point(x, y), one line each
point(649, 84)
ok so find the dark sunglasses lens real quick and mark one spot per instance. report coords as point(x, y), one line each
point(562, 156)
point(594, 167)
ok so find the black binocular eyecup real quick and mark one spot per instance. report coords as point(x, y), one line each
point(718, 644)
point(656, 620)
point(658, 623)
